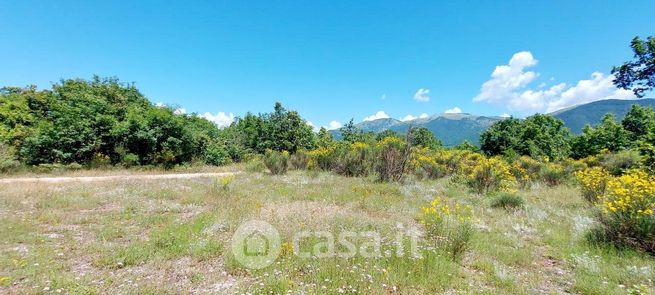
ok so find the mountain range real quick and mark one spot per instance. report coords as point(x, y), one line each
point(453, 129)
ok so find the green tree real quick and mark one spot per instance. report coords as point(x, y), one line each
point(501, 137)
point(350, 132)
point(83, 121)
point(638, 74)
point(639, 122)
point(423, 137)
point(538, 136)
point(607, 135)
point(324, 138)
point(281, 130)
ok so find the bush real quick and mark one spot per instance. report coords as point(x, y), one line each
point(593, 182)
point(620, 162)
point(553, 174)
point(424, 165)
point(130, 160)
point(448, 226)
point(392, 155)
point(490, 175)
point(7, 159)
point(353, 160)
point(255, 164)
point(507, 201)
point(277, 162)
point(299, 160)
point(322, 158)
point(628, 218)
point(521, 175)
point(216, 155)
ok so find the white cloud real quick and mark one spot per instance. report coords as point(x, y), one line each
point(334, 125)
point(454, 110)
point(179, 111)
point(505, 115)
point(412, 117)
point(509, 86)
point(160, 104)
point(378, 115)
point(221, 119)
point(599, 87)
point(507, 79)
point(407, 118)
point(422, 95)
point(310, 124)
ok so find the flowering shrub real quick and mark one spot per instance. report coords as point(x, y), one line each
point(631, 195)
point(489, 175)
point(592, 182)
point(627, 218)
point(353, 159)
point(448, 225)
point(554, 174)
point(424, 164)
point(522, 176)
point(321, 158)
point(466, 161)
point(530, 165)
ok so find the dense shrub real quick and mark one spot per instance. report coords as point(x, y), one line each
point(216, 155)
point(277, 162)
point(129, 160)
point(424, 164)
point(593, 182)
point(322, 158)
point(255, 164)
point(490, 175)
point(299, 160)
point(628, 218)
point(507, 201)
point(7, 159)
point(521, 175)
point(538, 136)
point(392, 155)
point(353, 159)
point(553, 174)
point(620, 162)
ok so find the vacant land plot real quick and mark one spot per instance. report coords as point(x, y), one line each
point(172, 235)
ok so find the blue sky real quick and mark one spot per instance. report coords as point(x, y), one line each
point(330, 60)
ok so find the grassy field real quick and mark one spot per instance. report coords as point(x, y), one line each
point(174, 235)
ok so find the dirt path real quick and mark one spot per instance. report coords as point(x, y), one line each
point(115, 177)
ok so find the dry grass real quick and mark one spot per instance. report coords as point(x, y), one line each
point(173, 236)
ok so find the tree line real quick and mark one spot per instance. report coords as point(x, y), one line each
point(103, 121)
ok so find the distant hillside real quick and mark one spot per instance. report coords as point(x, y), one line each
point(591, 113)
point(451, 129)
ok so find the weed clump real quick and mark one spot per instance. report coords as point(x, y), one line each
point(507, 201)
point(448, 226)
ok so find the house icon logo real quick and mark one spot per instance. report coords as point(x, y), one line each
point(256, 244)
